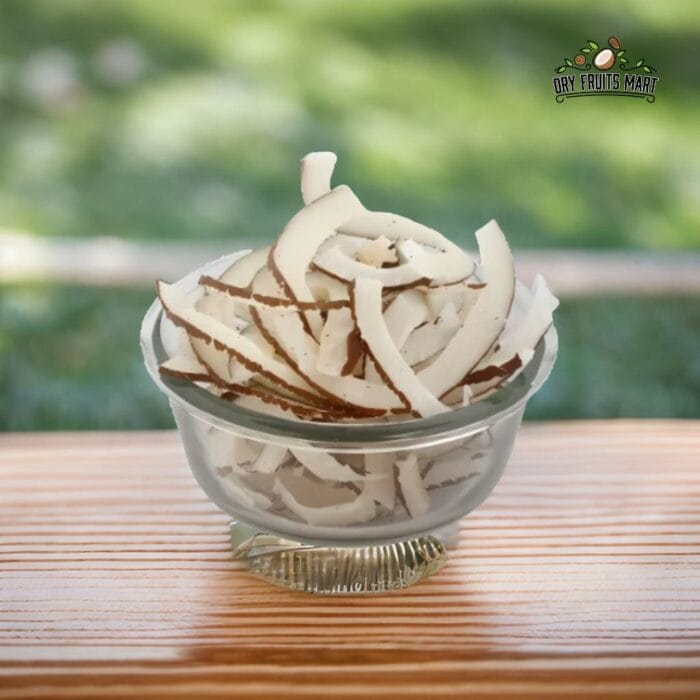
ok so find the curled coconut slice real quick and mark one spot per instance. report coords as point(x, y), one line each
point(431, 337)
point(296, 246)
point(312, 492)
point(449, 469)
point(325, 466)
point(199, 325)
point(180, 367)
point(337, 264)
point(301, 352)
point(382, 488)
point(406, 312)
point(316, 173)
point(485, 319)
point(449, 263)
point(409, 486)
point(519, 339)
point(359, 510)
point(367, 309)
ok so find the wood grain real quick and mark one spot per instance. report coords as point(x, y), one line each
point(578, 578)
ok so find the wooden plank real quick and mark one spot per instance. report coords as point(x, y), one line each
point(578, 578)
point(114, 261)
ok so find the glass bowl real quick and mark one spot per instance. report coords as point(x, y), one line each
point(461, 455)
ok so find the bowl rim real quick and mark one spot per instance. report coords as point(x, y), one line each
point(339, 436)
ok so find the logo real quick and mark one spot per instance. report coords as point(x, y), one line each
point(590, 73)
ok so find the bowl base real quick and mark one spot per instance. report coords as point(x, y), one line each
point(337, 570)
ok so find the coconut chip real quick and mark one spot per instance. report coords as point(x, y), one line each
point(359, 510)
point(367, 309)
point(409, 486)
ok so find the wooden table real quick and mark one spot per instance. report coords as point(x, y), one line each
point(578, 578)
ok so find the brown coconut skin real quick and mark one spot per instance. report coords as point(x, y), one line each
point(614, 43)
point(580, 59)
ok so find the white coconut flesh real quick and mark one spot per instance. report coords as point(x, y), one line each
point(452, 468)
point(448, 263)
point(228, 339)
point(359, 510)
point(352, 316)
point(378, 252)
point(382, 488)
point(334, 262)
point(182, 367)
point(405, 313)
point(316, 173)
point(325, 466)
point(294, 250)
point(367, 309)
point(485, 319)
point(431, 337)
point(411, 490)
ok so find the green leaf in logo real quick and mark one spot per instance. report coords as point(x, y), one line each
point(639, 63)
point(568, 62)
point(592, 44)
point(621, 53)
point(623, 60)
point(646, 69)
point(561, 69)
point(585, 49)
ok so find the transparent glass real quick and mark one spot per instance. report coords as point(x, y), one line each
point(470, 445)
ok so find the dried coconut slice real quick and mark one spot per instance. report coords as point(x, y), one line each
point(296, 246)
point(274, 400)
point(449, 469)
point(316, 173)
point(448, 264)
point(527, 331)
point(248, 297)
point(485, 320)
point(431, 337)
point(222, 309)
point(181, 367)
point(336, 263)
point(367, 308)
point(241, 272)
point(312, 492)
point(301, 351)
point(359, 510)
point(404, 314)
point(270, 459)
point(382, 488)
point(257, 405)
point(409, 486)
point(199, 325)
point(325, 466)
point(217, 362)
point(336, 350)
point(378, 252)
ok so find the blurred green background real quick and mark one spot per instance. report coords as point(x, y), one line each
point(185, 121)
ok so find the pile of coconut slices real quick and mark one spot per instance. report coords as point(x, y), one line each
point(355, 315)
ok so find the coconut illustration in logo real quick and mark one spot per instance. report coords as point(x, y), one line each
point(604, 59)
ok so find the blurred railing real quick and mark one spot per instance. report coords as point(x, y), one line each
point(111, 261)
